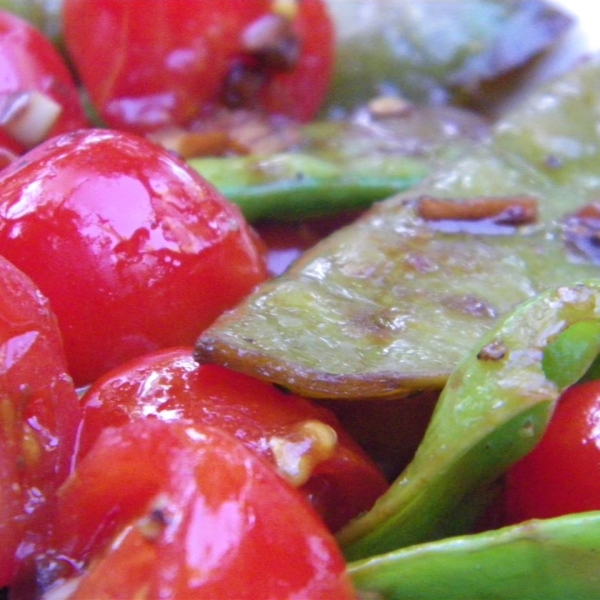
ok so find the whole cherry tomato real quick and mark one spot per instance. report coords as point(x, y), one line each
point(164, 61)
point(29, 63)
point(562, 474)
point(305, 442)
point(134, 250)
point(169, 510)
point(39, 414)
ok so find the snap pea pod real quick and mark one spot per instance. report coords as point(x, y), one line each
point(492, 411)
point(390, 304)
point(311, 186)
point(553, 559)
point(343, 165)
point(431, 51)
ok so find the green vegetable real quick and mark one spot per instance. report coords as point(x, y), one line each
point(389, 305)
point(492, 411)
point(554, 559)
point(342, 165)
point(431, 51)
point(46, 15)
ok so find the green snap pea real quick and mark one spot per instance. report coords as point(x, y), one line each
point(431, 51)
point(291, 186)
point(343, 165)
point(553, 559)
point(388, 305)
point(492, 411)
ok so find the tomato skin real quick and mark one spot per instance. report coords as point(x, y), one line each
point(171, 386)
point(29, 61)
point(562, 474)
point(300, 93)
point(39, 414)
point(203, 518)
point(134, 250)
point(164, 61)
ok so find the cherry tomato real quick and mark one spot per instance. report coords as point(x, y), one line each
point(562, 474)
point(134, 250)
point(39, 413)
point(29, 62)
point(163, 62)
point(188, 512)
point(304, 441)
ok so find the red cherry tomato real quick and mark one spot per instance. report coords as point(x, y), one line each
point(304, 441)
point(562, 474)
point(39, 413)
point(29, 62)
point(163, 62)
point(134, 250)
point(189, 512)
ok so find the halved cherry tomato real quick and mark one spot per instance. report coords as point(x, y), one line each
point(164, 62)
point(134, 250)
point(169, 510)
point(29, 62)
point(305, 442)
point(39, 414)
point(562, 474)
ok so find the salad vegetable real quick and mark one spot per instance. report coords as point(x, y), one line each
point(39, 413)
point(123, 239)
point(558, 476)
point(38, 96)
point(388, 305)
point(343, 165)
point(165, 63)
point(200, 517)
point(552, 559)
point(492, 411)
point(304, 442)
point(472, 296)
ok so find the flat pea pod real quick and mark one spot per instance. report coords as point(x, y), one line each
point(432, 51)
point(387, 306)
point(492, 411)
point(345, 164)
point(553, 559)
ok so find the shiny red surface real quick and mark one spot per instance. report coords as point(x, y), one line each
point(188, 512)
point(39, 413)
point(29, 61)
point(171, 386)
point(134, 250)
point(163, 62)
point(562, 474)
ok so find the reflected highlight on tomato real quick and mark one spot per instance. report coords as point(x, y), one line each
point(39, 413)
point(134, 250)
point(203, 518)
point(303, 441)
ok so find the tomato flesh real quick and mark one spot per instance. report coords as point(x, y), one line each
point(338, 479)
point(134, 250)
point(203, 518)
point(562, 474)
point(39, 414)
